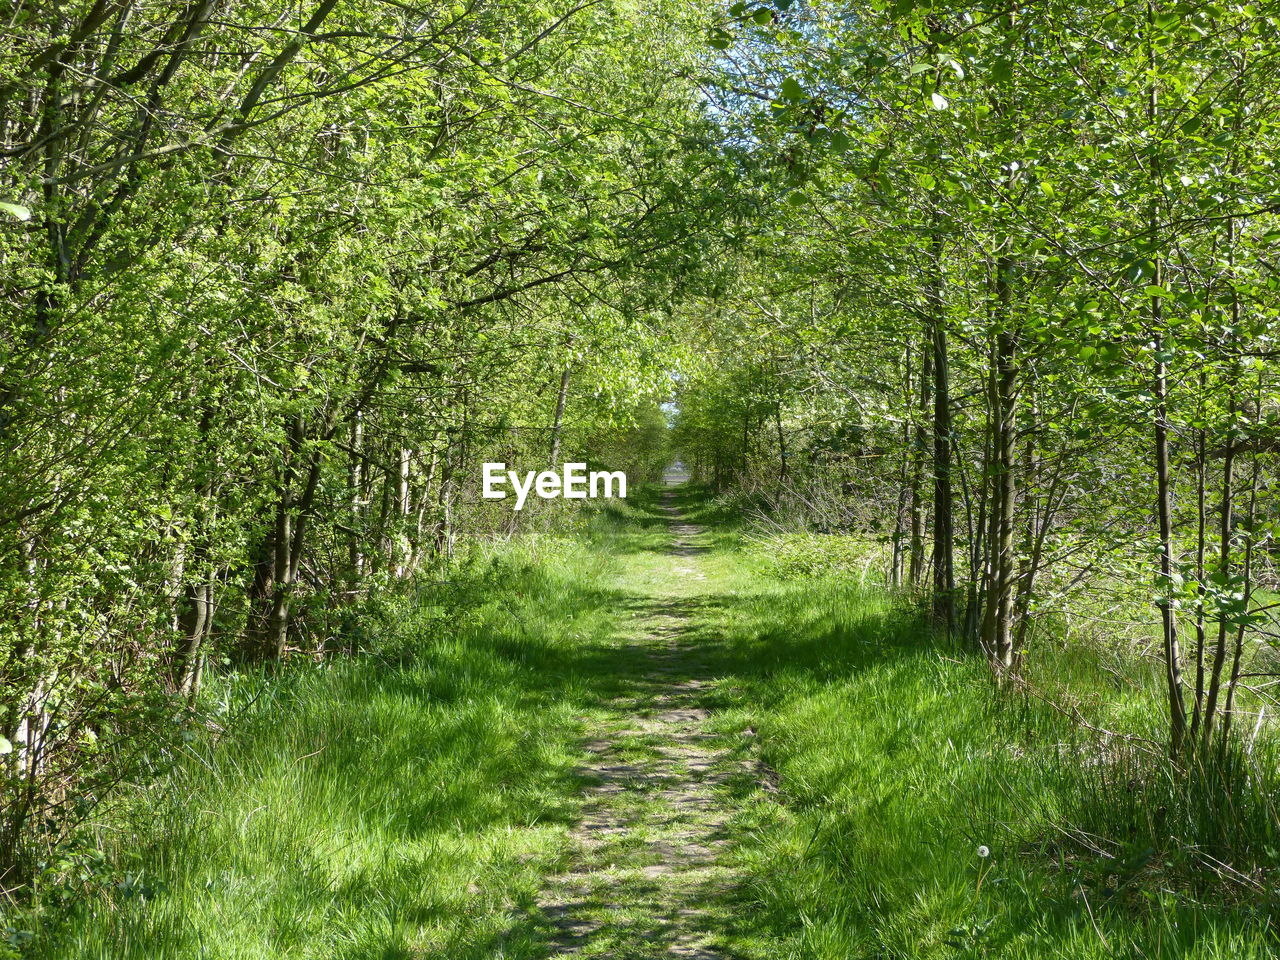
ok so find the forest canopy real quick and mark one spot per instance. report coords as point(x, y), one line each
point(275, 283)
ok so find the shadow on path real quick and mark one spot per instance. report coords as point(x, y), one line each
point(646, 874)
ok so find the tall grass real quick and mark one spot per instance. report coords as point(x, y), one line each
point(912, 811)
point(409, 802)
point(402, 803)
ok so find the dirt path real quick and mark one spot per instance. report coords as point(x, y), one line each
point(647, 870)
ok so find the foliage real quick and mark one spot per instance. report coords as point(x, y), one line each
point(1015, 301)
point(270, 300)
point(988, 291)
point(400, 800)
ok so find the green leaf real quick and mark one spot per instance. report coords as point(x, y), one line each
point(17, 210)
point(791, 89)
point(839, 141)
point(939, 101)
point(918, 68)
point(883, 152)
point(6, 746)
point(763, 16)
point(1001, 71)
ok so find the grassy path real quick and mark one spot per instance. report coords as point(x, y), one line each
point(647, 867)
point(647, 739)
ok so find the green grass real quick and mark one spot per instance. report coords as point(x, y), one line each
point(891, 760)
point(412, 801)
point(406, 803)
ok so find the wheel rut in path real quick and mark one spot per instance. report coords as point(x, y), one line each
point(647, 871)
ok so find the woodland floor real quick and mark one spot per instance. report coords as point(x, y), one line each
point(648, 738)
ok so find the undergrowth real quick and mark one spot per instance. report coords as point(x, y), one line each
point(912, 810)
point(403, 802)
point(409, 801)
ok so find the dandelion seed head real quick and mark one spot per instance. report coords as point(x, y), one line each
point(984, 852)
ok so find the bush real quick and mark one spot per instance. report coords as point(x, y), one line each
point(829, 556)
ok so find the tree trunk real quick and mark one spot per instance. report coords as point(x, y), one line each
point(997, 623)
point(782, 442)
point(1164, 511)
point(557, 424)
point(284, 550)
point(1247, 575)
point(355, 484)
point(915, 572)
point(1164, 490)
point(196, 627)
point(944, 583)
point(1225, 522)
point(1202, 458)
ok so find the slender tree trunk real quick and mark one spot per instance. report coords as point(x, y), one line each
point(286, 542)
point(425, 499)
point(915, 572)
point(1225, 524)
point(276, 636)
point(1039, 528)
point(944, 583)
point(403, 505)
point(900, 510)
point(1251, 519)
point(557, 425)
point(195, 618)
point(1197, 702)
point(195, 624)
point(997, 627)
point(405, 469)
point(386, 502)
point(1164, 488)
point(355, 475)
point(1164, 514)
point(897, 561)
point(782, 441)
point(1226, 530)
